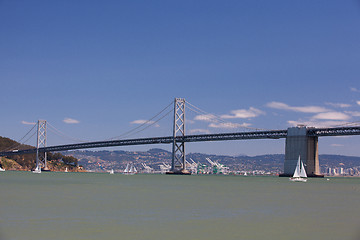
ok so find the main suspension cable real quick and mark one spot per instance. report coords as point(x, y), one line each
point(18, 143)
point(63, 135)
point(148, 123)
point(357, 123)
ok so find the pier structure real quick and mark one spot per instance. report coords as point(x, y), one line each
point(299, 142)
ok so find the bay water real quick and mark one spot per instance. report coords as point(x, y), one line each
point(54, 205)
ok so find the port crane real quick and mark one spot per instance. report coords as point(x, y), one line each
point(192, 167)
point(218, 168)
point(147, 169)
point(164, 168)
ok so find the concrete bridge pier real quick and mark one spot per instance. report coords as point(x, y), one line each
point(299, 143)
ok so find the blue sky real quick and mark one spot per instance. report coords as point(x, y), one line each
point(97, 69)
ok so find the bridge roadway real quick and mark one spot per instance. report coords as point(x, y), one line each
point(271, 134)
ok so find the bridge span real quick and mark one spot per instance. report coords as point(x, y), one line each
point(276, 134)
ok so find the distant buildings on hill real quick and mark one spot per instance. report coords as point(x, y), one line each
point(340, 171)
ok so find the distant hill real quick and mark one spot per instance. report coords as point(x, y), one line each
point(334, 161)
point(100, 160)
point(26, 162)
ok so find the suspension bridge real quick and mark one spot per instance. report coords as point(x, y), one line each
point(300, 140)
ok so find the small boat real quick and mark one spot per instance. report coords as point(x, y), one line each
point(37, 170)
point(133, 169)
point(130, 170)
point(126, 171)
point(66, 170)
point(2, 170)
point(299, 173)
point(112, 171)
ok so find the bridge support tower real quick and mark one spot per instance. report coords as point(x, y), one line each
point(41, 143)
point(298, 142)
point(178, 148)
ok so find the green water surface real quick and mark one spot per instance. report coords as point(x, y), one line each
point(102, 206)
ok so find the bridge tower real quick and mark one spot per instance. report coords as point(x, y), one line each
point(298, 142)
point(178, 148)
point(41, 143)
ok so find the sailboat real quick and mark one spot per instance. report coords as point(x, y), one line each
point(112, 171)
point(299, 173)
point(66, 169)
point(126, 171)
point(130, 170)
point(37, 169)
point(2, 170)
point(133, 170)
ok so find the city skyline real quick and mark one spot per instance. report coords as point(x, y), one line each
point(97, 70)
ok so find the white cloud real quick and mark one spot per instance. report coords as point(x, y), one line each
point(297, 123)
point(339, 105)
point(317, 124)
point(27, 123)
point(243, 113)
point(229, 125)
point(140, 121)
point(358, 102)
point(71, 121)
point(206, 131)
point(304, 109)
point(354, 114)
point(205, 117)
point(332, 116)
point(354, 89)
point(337, 145)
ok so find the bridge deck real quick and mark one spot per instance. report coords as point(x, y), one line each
point(276, 134)
point(273, 134)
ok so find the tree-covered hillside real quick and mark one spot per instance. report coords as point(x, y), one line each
point(26, 162)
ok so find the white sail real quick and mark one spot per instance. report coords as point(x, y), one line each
point(2, 170)
point(299, 173)
point(302, 171)
point(297, 169)
point(112, 171)
point(126, 169)
point(37, 169)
